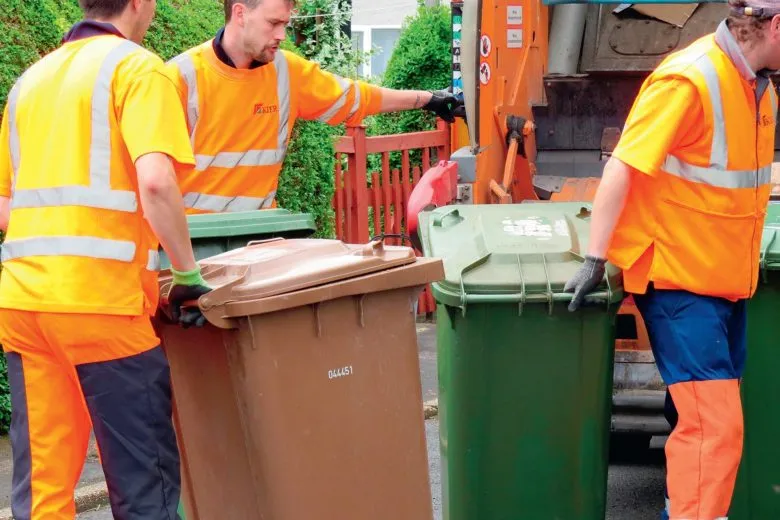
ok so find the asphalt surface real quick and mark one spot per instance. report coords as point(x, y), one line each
point(636, 479)
point(635, 489)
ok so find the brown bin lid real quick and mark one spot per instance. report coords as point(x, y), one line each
point(270, 270)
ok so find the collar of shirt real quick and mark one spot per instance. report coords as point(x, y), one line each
point(219, 50)
point(90, 28)
point(729, 45)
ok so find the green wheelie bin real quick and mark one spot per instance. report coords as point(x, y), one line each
point(215, 233)
point(757, 492)
point(525, 385)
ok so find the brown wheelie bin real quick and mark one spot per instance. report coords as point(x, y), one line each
point(300, 399)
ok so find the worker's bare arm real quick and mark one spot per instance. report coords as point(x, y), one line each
point(164, 208)
point(5, 210)
point(608, 205)
point(396, 100)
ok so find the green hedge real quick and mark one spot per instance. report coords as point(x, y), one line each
point(421, 60)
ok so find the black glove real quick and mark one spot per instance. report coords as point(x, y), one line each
point(186, 286)
point(587, 278)
point(444, 104)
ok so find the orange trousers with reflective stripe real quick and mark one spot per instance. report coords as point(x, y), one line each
point(69, 374)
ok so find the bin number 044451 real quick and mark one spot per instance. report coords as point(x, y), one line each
point(340, 372)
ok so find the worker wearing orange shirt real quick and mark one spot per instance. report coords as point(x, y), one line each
point(243, 94)
point(680, 209)
point(88, 142)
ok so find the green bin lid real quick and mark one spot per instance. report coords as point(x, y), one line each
point(256, 222)
point(770, 238)
point(511, 253)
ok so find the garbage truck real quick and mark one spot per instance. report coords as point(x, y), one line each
point(547, 86)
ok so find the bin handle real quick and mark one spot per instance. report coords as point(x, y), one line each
point(439, 217)
point(464, 298)
point(264, 241)
point(372, 247)
point(523, 297)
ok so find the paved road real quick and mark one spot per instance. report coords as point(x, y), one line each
point(635, 483)
point(635, 480)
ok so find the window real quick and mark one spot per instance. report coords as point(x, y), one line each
point(383, 41)
point(357, 45)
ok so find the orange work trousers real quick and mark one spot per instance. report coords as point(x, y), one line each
point(700, 347)
point(70, 373)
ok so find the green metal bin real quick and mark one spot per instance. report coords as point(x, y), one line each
point(524, 385)
point(757, 492)
point(215, 233)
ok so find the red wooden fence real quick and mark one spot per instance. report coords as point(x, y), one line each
point(369, 204)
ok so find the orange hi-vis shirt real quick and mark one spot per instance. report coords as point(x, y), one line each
point(240, 122)
point(74, 124)
point(700, 138)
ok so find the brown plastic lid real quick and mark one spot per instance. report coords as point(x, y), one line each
point(263, 276)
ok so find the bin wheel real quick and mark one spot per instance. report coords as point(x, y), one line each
point(630, 443)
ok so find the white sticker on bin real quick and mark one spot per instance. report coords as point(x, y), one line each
point(537, 227)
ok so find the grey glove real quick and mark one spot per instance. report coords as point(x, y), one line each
point(587, 278)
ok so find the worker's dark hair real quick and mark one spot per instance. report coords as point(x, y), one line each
point(746, 28)
point(249, 3)
point(103, 8)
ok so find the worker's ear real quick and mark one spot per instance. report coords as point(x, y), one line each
point(239, 13)
point(774, 28)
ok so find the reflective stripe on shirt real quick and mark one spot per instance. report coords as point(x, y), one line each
point(717, 174)
point(98, 194)
point(232, 159)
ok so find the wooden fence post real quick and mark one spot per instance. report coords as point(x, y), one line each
point(358, 210)
point(443, 151)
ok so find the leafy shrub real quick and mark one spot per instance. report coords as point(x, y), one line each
point(306, 182)
point(5, 397)
point(421, 60)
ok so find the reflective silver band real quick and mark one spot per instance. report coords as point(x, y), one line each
point(718, 178)
point(13, 135)
point(153, 260)
point(233, 159)
point(75, 196)
point(717, 174)
point(222, 204)
point(187, 69)
point(99, 193)
point(339, 103)
point(719, 151)
point(283, 94)
point(356, 104)
point(90, 247)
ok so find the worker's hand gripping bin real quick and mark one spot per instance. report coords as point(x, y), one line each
point(525, 386)
point(301, 396)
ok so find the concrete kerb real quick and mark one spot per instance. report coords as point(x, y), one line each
point(87, 498)
point(96, 495)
